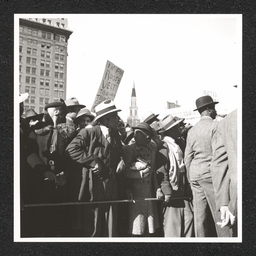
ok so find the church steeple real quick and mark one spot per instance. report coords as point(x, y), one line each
point(133, 119)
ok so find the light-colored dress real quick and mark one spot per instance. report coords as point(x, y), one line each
point(142, 214)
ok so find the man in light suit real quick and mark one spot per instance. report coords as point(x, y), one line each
point(224, 170)
point(198, 157)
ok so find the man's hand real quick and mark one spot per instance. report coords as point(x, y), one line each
point(159, 194)
point(144, 173)
point(226, 216)
point(61, 180)
point(49, 175)
point(120, 167)
point(97, 169)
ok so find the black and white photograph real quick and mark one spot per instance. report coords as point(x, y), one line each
point(130, 128)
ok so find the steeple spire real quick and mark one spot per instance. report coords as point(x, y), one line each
point(133, 90)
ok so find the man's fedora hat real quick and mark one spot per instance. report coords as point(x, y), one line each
point(144, 127)
point(104, 108)
point(168, 122)
point(71, 102)
point(84, 112)
point(204, 101)
point(23, 97)
point(31, 114)
point(149, 117)
point(55, 104)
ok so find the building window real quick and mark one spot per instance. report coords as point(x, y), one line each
point(47, 92)
point(29, 31)
point(47, 64)
point(21, 39)
point(61, 85)
point(49, 36)
point(34, 32)
point(41, 91)
point(47, 82)
point(48, 46)
point(61, 67)
point(41, 101)
point(48, 54)
point(27, 89)
point(28, 60)
point(21, 29)
point(34, 51)
point(56, 84)
point(27, 100)
point(46, 101)
point(43, 45)
point(20, 49)
point(56, 74)
point(41, 110)
point(29, 41)
point(28, 70)
point(28, 50)
point(42, 53)
point(56, 65)
point(33, 71)
point(57, 56)
point(57, 47)
point(62, 57)
point(41, 81)
point(27, 79)
point(33, 90)
point(33, 80)
point(62, 49)
point(56, 93)
point(33, 61)
point(57, 38)
point(43, 34)
point(20, 58)
point(33, 99)
point(34, 42)
point(63, 39)
point(61, 75)
point(42, 63)
point(47, 73)
point(20, 78)
point(41, 72)
point(61, 94)
point(20, 68)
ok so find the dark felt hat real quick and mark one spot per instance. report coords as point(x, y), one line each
point(55, 104)
point(204, 101)
point(71, 102)
point(31, 114)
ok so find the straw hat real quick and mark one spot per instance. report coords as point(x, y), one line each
point(104, 108)
point(149, 117)
point(168, 122)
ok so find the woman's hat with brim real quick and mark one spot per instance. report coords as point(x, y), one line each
point(31, 114)
point(204, 101)
point(84, 112)
point(73, 102)
point(104, 108)
point(149, 117)
point(23, 97)
point(168, 122)
point(145, 127)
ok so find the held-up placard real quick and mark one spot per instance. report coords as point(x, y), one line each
point(109, 84)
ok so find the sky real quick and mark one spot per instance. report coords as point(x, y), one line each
point(167, 57)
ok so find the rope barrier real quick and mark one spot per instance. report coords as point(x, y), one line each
point(100, 202)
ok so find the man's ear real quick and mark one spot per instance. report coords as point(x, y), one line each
point(56, 112)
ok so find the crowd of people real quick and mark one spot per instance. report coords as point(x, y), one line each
point(86, 174)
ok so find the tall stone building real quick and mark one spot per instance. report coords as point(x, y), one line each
point(43, 55)
point(133, 119)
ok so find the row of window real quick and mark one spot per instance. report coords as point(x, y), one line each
point(43, 34)
point(58, 75)
point(30, 80)
point(59, 57)
point(44, 72)
point(44, 82)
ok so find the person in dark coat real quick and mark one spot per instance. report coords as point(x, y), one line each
point(98, 150)
point(51, 142)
